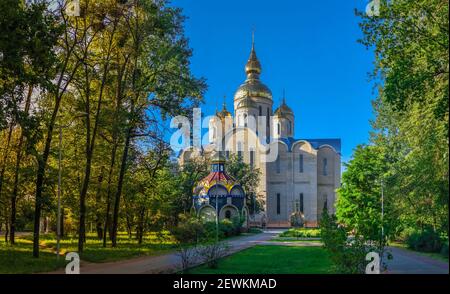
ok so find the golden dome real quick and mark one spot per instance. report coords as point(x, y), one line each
point(247, 102)
point(253, 85)
point(224, 112)
point(283, 110)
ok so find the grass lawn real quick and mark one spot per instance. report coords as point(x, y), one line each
point(434, 255)
point(273, 260)
point(18, 258)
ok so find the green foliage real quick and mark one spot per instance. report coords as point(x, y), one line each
point(410, 40)
point(248, 178)
point(302, 233)
point(189, 231)
point(227, 227)
point(426, 240)
point(348, 256)
point(359, 204)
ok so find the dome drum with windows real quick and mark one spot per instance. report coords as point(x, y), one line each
point(219, 194)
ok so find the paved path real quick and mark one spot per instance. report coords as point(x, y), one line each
point(167, 263)
point(404, 261)
point(409, 262)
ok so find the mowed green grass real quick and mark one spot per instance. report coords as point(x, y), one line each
point(18, 258)
point(273, 260)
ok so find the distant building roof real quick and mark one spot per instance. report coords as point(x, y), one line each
point(315, 143)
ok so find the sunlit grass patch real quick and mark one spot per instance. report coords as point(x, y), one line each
point(18, 258)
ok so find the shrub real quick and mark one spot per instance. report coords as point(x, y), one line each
point(211, 231)
point(347, 255)
point(237, 225)
point(301, 233)
point(188, 233)
point(426, 240)
point(212, 252)
point(227, 227)
point(444, 249)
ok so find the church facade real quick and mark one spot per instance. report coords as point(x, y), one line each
point(299, 177)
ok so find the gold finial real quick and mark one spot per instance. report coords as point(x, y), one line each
point(253, 38)
point(224, 102)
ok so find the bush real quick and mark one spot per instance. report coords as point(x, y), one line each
point(237, 225)
point(212, 252)
point(301, 233)
point(444, 249)
point(226, 227)
point(210, 231)
point(348, 255)
point(426, 240)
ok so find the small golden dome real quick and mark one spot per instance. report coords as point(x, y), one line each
point(283, 110)
point(224, 112)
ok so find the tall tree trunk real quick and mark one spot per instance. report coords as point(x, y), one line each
point(5, 157)
point(42, 164)
point(107, 224)
point(120, 185)
point(141, 224)
point(90, 142)
point(98, 222)
point(16, 172)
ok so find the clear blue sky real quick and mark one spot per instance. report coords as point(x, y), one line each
point(309, 48)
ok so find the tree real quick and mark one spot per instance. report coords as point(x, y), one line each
point(248, 178)
point(359, 205)
point(410, 39)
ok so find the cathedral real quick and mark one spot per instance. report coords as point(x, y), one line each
point(298, 177)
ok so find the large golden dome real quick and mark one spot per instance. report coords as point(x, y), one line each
point(253, 86)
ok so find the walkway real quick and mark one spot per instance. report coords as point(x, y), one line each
point(409, 262)
point(167, 263)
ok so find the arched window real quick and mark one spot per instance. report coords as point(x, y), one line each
point(245, 120)
point(325, 166)
point(260, 110)
point(290, 127)
point(228, 214)
point(278, 128)
point(325, 203)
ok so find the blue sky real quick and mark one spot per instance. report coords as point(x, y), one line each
point(309, 48)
